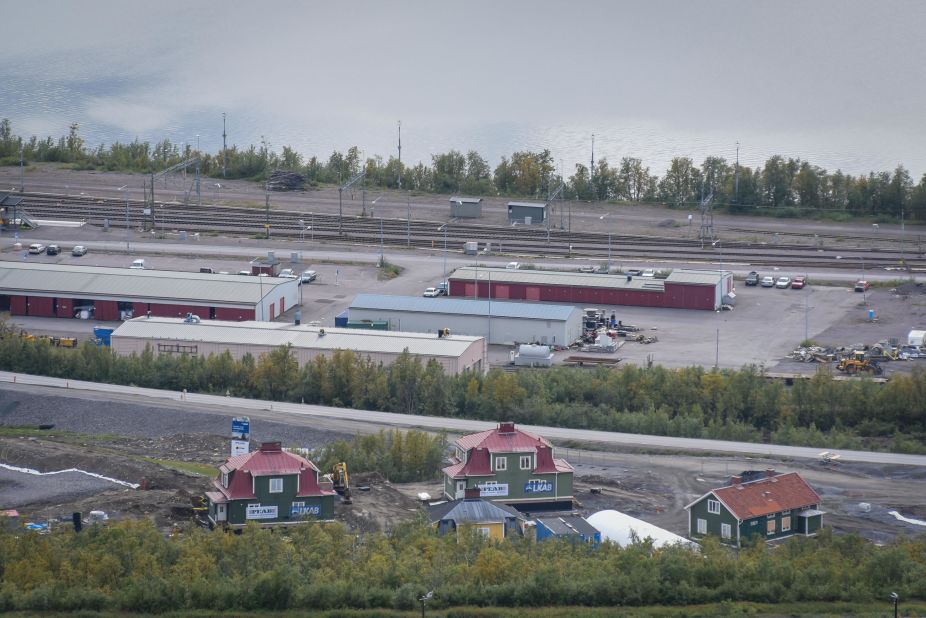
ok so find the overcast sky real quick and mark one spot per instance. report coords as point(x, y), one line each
point(844, 74)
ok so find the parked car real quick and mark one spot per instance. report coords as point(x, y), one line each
point(861, 286)
point(752, 278)
point(768, 282)
point(513, 266)
point(783, 283)
point(53, 250)
point(633, 272)
point(138, 264)
point(288, 273)
point(36, 248)
point(798, 283)
point(308, 276)
point(79, 250)
point(206, 270)
point(431, 293)
point(444, 288)
point(244, 272)
point(648, 272)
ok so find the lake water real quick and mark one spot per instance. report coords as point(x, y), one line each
point(315, 82)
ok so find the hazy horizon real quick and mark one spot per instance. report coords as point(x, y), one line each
point(839, 84)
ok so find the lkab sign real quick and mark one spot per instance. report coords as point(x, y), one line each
point(537, 487)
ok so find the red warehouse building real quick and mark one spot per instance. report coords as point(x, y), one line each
point(683, 289)
point(111, 294)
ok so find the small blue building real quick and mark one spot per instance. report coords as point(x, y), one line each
point(572, 527)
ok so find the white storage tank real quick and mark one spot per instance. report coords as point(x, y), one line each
point(917, 338)
point(531, 355)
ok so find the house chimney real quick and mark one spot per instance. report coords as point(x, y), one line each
point(770, 472)
point(736, 479)
point(472, 493)
point(271, 447)
point(506, 427)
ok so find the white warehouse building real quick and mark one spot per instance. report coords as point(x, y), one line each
point(500, 322)
point(455, 354)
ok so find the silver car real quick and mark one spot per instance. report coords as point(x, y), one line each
point(783, 283)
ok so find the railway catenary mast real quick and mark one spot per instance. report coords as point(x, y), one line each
point(350, 183)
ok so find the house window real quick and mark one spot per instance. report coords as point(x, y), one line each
point(785, 523)
point(298, 504)
point(771, 526)
point(225, 479)
point(526, 462)
point(702, 526)
point(276, 486)
point(501, 463)
point(713, 506)
point(725, 531)
point(483, 531)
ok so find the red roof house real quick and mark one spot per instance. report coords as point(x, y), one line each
point(509, 465)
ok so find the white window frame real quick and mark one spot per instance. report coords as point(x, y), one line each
point(713, 506)
point(526, 461)
point(501, 463)
point(726, 531)
point(702, 526)
point(786, 523)
point(225, 480)
point(771, 527)
point(483, 531)
point(298, 504)
point(278, 481)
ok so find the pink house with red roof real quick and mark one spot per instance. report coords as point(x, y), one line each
point(511, 466)
point(270, 486)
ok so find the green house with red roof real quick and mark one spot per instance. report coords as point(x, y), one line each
point(511, 466)
point(766, 504)
point(271, 487)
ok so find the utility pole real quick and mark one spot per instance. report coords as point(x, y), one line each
point(736, 180)
point(224, 148)
point(591, 170)
point(400, 155)
point(22, 173)
point(408, 220)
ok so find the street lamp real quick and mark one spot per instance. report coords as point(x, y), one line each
point(373, 206)
point(894, 598)
point(427, 598)
point(122, 188)
point(444, 228)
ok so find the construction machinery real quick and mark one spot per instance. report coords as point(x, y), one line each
point(859, 362)
point(341, 481)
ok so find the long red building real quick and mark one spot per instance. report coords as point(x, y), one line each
point(683, 289)
point(112, 294)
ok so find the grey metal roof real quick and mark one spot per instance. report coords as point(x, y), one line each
point(553, 277)
point(569, 524)
point(134, 285)
point(10, 200)
point(275, 334)
point(695, 277)
point(462, 306)
point(471, 510)
point(466, 200)
point(527, 204)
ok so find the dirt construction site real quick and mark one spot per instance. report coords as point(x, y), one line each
point(150, 458)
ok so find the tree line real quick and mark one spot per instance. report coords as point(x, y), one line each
point(401, 457)
point(130, 566)
point(782, 186)
point(692, 402)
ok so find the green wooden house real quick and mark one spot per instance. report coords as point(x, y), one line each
point(270, 486)
point(510, 466)
point(767, 504)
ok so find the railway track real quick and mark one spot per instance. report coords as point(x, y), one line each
point(521, 241)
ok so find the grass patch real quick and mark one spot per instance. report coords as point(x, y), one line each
point(17, 431)
point(183, 466)
point(389, 271)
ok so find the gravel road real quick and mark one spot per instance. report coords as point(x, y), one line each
point(20, 488)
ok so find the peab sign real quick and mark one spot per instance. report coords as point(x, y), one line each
point(256, 511)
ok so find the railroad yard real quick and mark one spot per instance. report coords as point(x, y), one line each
point(134, 440)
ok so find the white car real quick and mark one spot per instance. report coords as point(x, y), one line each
point(648, 273)
point(308, 276)
point(138, 265)
point(288, 273)
point(432, 293)
point(79, 250)
point(783, 283)
point(36, 248)
point(768, 282)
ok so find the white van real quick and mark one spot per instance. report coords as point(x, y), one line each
point(138, 264)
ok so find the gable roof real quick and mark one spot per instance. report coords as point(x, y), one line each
point(568, 525)
point(778, 493)
point(471, 510)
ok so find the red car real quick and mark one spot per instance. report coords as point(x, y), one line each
point(798, 283)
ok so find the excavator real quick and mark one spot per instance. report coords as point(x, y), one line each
point(859, 363)
point(341, 481)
